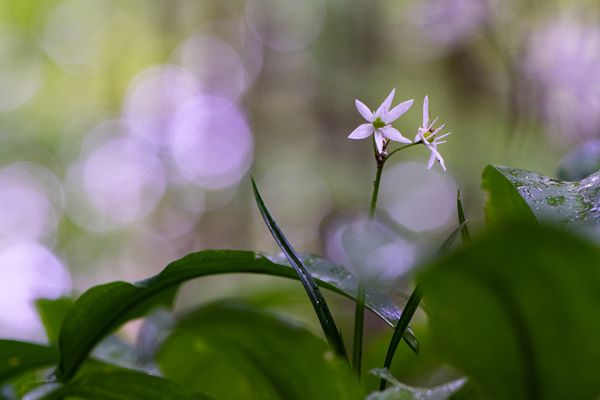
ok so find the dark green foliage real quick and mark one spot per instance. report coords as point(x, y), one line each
point(517, 311)
point(17, 357)
point(123, 385)
point(233, 351)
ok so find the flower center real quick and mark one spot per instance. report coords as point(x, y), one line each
point(378, 123)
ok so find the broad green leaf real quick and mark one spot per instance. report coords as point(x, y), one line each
point(276, 357)
point(102, 308)
point(570, 205)
point(122, 385)
point(400, 391)
point(17, 357)
point(52, 313)
point(504, 203)
point(310, 286)
point(518, 311)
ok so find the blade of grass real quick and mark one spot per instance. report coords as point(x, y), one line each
point(322, 310)
point(407, 314)
point(465, 235)
point(411, 306)
point(448, 242)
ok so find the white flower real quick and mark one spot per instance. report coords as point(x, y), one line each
point(426, 135)
point(379, 122)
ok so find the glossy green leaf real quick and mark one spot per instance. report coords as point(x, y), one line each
point(122, 385)
point(518, 311)
point(310, 286)
point(570, 205)
point(400, 391)
point(504, 203)
point(53, 312)
point(17, 357)
point(102, 308)
point(275, 357)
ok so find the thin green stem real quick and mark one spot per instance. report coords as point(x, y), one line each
point(380, 163)
point(401, 148)
point(359, 311)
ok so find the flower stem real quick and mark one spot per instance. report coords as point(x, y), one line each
point(380, 163)
point(359, 311)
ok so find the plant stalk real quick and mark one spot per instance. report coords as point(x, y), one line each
point(359, 311)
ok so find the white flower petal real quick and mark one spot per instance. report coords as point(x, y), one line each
point(443, 136)
point(362, 132)
point(426, 113)
point(394, 134)
point(378, 140)
point(364, 111)
point(441, 160)
point(435, 154)
point(431, 160)
point(397, 111)
point(385, 106)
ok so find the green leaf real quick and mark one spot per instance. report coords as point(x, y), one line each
point(17, 357)
point(123, 385)
point(518, 311)
point(312, 290)
point(342, 281)
point(102, 308)
point(570, 205)
point(273, 357)
point(53, 312)
point(400, 391)
point(504, 203)
point(465, 235)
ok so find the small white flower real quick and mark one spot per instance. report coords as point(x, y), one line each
point(426, 135)
point(379, 122)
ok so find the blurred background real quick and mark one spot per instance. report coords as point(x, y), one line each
point(128, 130)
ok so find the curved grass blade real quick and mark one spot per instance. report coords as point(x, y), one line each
point(316, 298)
point(407, 314)
point(17, 357)
point(411, 306)
point(123, 385)
point(448, 242)
point(465, 235)
point(103, 308)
